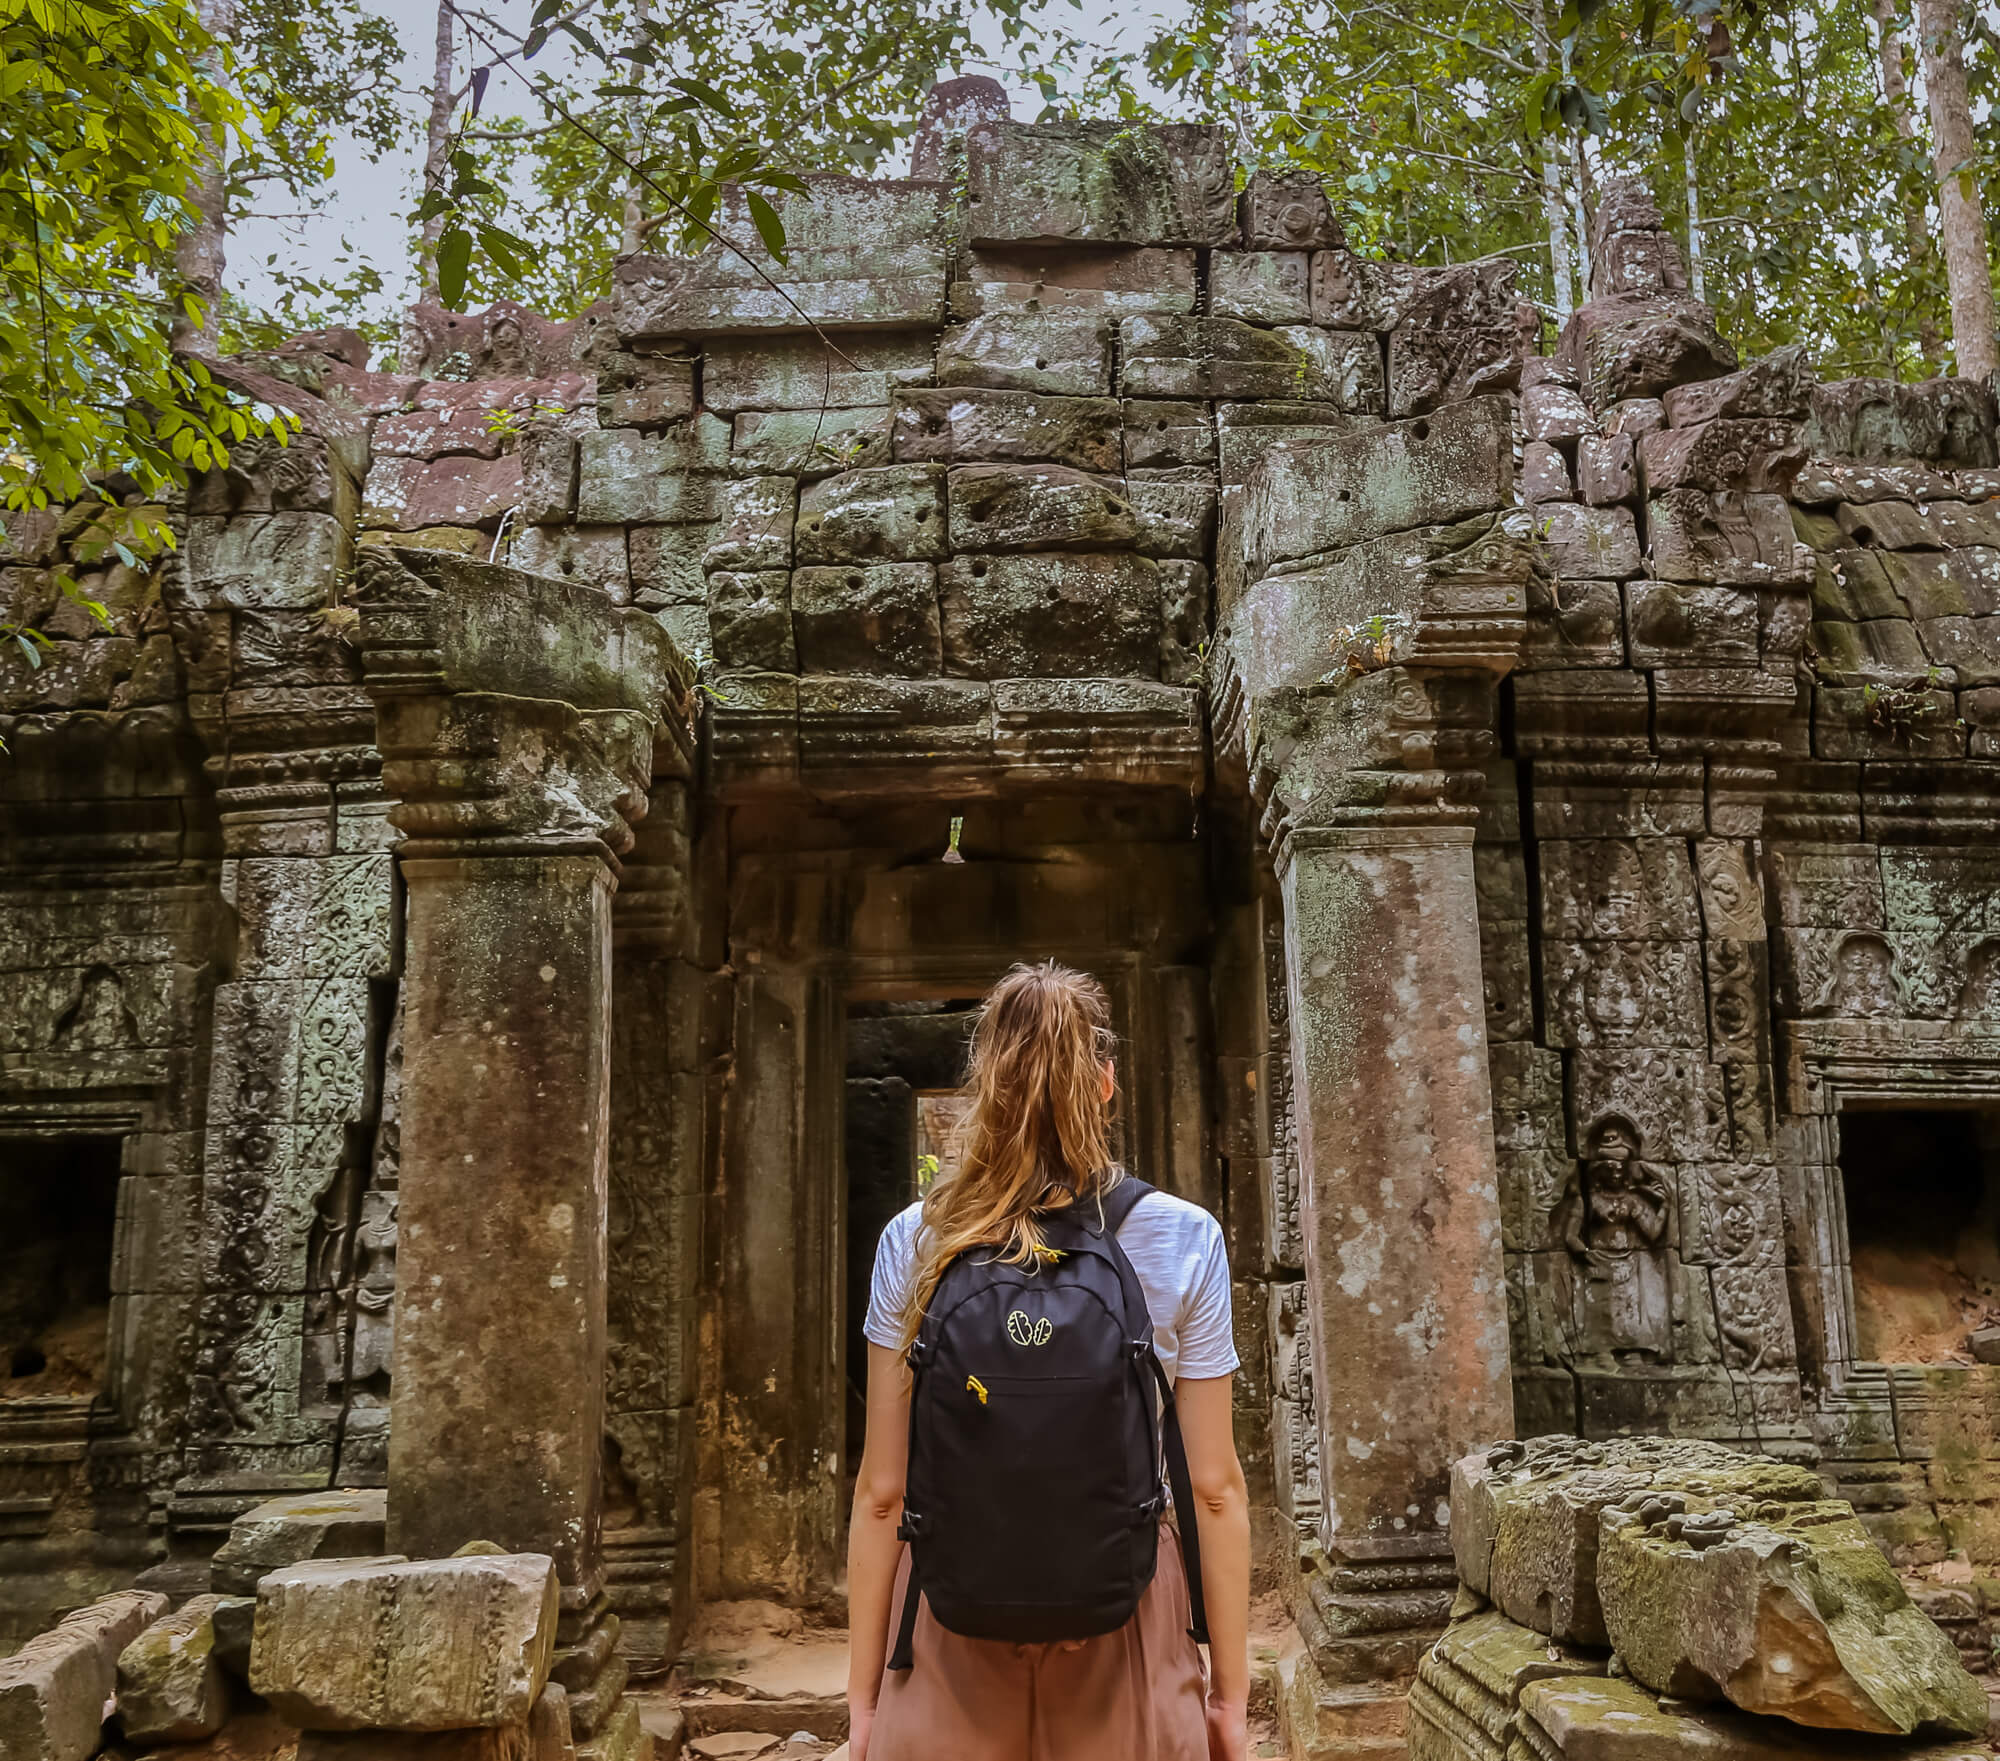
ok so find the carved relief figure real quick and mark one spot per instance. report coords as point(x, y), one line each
point(1979, 996)
point(1614, 1221)
point(374, 1299)
point(1864, 979)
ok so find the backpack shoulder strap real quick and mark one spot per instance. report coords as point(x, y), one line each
point(1118, 1202)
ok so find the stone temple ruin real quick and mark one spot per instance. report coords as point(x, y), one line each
point(488, 929)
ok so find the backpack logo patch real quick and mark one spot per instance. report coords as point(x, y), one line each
point(1026, 1332)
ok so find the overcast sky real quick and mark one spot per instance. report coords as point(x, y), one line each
point(367, 214)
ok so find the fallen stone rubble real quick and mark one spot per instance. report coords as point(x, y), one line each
point(1652, 1597)
point(368, 1658)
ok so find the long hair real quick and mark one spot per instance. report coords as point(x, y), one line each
point(1036, 1133)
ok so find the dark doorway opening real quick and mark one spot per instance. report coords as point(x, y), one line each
point(1922, 1188)
point(904, 1060)
point(58, 1217)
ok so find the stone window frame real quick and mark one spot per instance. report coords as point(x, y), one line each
point(1829, 1066)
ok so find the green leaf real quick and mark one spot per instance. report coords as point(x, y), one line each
point(770, 228)
point(454, 257)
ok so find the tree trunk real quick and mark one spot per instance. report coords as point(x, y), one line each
point(1697, 273)
point(635, 128)
point(1239, 68)
point(201, 254)
point(1896, 94)
point(437, 142)
point(1562, 262)
point(1961, 213)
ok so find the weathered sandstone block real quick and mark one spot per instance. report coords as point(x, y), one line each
point(53, 1690)
point(892, 514)
point(398, 1644)
point(1037, 507)
point(1067, 354)
point(967, 424)
point(171, 1687)
point(1059, 614)
point(867, 618)
point(1222, 357)
point(284, 1531)
point(1524, 1516)
point(1789, 1611)
point(1099, 182)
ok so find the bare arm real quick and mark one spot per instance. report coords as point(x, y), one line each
point(873, 1552)
point(1222, 1513)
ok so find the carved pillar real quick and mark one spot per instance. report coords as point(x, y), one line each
point(516, 718)
point(1387, 600)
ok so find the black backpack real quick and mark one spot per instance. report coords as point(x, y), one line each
point(1033, 1496)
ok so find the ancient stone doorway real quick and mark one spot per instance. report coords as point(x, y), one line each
point(58, 1221)
point(1922, 1193)
point(903, 1060)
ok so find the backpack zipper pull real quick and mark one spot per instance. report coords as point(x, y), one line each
point(977, 1387)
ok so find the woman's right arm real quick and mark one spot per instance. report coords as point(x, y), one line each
point(873, 1552)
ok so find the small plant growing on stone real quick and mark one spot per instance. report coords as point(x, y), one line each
point(1369, 646)
point(843, 451)
point(509, 421)
point(1901, 710)
point(927, 1172)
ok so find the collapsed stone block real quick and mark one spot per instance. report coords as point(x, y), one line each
point(1067, 354)
point(1524, 1516)
point(1099, 182)
point(1037, 507)
point(171, 1686)
point(1550, 411)
point(875, 618)
point(1060, 614)
point(1468, 1687)
point(1222, 357)
point(1602, 1718)
point(398, 1644)
point(1544, 473)
point(1607, 469)
point(305, 1525)
point(1630, 346)
point(513, 1742)
point(1775, 387)
point(895, 513)
point(971, 424)
point(1785, 1609)
point(54, 1688)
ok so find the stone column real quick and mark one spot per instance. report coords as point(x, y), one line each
point(1385, 555)
point(498, 1421)
point(1401, 1203)
point(517, 719)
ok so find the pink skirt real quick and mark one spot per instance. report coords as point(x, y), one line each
point(1134, 1695)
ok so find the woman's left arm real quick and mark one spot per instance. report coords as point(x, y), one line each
point(1222, 1513)
point(873, 1552)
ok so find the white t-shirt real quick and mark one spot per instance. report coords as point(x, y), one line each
point(1175, 1248)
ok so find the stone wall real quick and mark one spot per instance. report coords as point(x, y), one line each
point(1518, 801)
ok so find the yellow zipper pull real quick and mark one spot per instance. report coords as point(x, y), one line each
point(977, 1387)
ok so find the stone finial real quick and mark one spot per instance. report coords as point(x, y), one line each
point(1288, 211)
point(1631, 251)
point(951, 107)
point(506, 341)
